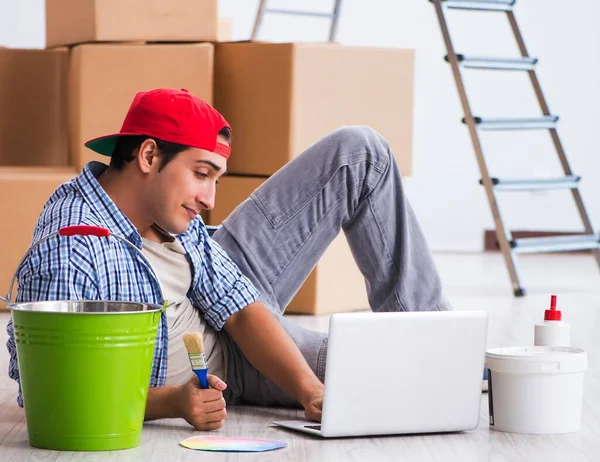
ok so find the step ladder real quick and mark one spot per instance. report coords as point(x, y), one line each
point(262, 10)
point(511, 247)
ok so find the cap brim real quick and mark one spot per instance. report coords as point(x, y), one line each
point(105, 145)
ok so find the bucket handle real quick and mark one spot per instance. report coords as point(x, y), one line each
point(77, 230)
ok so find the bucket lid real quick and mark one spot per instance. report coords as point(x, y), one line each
point(536, 360)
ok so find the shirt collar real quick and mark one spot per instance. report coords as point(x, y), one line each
point(103, 206)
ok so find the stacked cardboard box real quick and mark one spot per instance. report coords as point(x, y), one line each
point(69, 22)
point(280, 99)
point(33, 113)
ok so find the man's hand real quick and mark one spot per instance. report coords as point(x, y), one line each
point(313, 405)
point(203, 409)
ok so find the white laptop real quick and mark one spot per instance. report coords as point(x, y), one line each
point(401, 373)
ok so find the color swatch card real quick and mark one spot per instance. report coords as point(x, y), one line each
point(231, 444)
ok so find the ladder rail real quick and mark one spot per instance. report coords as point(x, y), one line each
point(334, 20)
point(260, 13)
point(503, 234)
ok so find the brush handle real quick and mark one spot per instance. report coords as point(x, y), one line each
point(202, 377)
point(200, 368)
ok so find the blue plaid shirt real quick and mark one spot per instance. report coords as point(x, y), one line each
point(92, 268)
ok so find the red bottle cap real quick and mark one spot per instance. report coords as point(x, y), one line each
point(552, 314)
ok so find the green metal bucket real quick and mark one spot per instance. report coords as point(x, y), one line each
point(85, 374)
point(84, 368)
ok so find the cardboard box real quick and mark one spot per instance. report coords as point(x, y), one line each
point(335, 285)
point(104, 78)
point(24, 191)
point(70, 22)
point(33, 112)
point(281, 97)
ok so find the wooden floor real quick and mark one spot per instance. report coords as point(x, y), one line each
point(473, 282)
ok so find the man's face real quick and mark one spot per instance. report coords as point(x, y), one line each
point(184, 187)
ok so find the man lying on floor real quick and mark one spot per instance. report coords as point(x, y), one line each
point(232, 286)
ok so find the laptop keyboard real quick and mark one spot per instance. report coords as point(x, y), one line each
point(313, 427)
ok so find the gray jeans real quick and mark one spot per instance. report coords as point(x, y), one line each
point(348, 180)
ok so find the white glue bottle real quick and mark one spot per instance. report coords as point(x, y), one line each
point(553, 331)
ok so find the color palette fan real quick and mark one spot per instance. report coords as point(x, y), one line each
point(231, 444)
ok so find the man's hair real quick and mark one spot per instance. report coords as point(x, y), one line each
point(127, 147)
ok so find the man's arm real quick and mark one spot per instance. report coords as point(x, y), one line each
point(227, 300)
point(270, 349)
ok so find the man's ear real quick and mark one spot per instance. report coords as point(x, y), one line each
point(147, 156)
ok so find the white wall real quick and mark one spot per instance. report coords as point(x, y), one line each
point(22, 23)
point(444, 189)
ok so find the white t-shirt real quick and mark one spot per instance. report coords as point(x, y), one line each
point(169, 262)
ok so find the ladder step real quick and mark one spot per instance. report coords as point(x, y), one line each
point(556, 244)
point(505, 64)
point(528, 123)
point(480, 5)
point(299, 13)
point(564, 182)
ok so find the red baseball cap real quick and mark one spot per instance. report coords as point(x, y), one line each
point(170, 115)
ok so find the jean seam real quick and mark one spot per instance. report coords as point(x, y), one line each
point(386, 247)
point(263, 209)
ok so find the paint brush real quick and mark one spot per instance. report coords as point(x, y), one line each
point(195, 347)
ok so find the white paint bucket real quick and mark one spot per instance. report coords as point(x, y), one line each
point(536, 389)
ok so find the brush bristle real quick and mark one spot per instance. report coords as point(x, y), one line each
point(193, 342)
